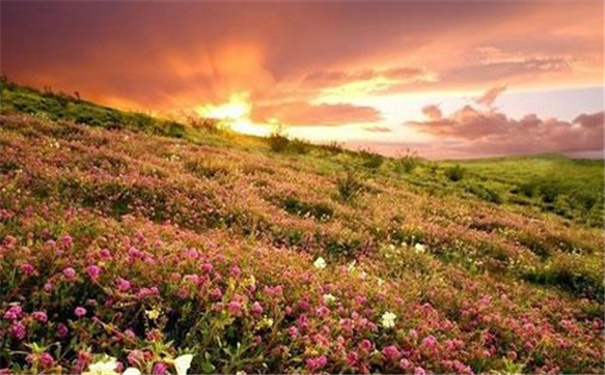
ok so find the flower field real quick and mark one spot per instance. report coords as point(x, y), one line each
point(135, 250)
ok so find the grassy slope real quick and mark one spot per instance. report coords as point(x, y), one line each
point(519, 286)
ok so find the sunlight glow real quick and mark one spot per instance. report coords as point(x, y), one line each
point(235, 113)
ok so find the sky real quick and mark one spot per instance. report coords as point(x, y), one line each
point(446, 79)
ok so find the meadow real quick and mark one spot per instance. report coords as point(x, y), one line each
point(130, 242)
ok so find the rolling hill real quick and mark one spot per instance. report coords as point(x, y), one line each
point(145, 239)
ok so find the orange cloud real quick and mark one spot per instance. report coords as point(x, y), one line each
point(433, 112)
point(378, 129)
point(305, 114)
point(490, 96)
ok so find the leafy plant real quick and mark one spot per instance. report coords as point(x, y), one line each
point(455, 173)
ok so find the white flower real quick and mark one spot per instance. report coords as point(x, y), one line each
point(320, 263)
point(106, 366)
point(241, 373)
point(131, 371)
point(329, 299)
point(388, 319)
point(419, 248)
point(182, 363)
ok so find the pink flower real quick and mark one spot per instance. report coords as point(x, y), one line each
point(48, 286)
point(236, 271)
point(27, 268)
point(47, 360)
point(256, 309)
point(123, 285)
point(366, 345)
point(17, 330)
point(82, 361)
point(216, 294)
point(419, 371)
point(160, 368)
point(69, 273)
point(316, 363)
point(429, 342)
point(80, 311)
point(40, 316)
point(62, 330)
point(323, 312)
point(93, 271)
point(293, 331)
point(13, 313)
point(207, 267)
point(235, 308)
point(391, 353)
point(136, 357)
point(67, 241)
point(105, 253)
point(303, 321)
point(130, 334)
point(352, 359)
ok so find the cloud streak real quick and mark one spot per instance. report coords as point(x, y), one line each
point(306, 114)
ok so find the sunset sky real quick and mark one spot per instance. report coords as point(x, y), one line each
point(448, 79)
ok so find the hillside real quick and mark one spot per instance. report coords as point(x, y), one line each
point(145, 239)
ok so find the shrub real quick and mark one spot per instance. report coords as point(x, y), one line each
point(349, 186)
point(484, 193)
point(455, 173)
point(205, 168)
point(572, 272)
point(277, 141)
point(549, 191)
point(209, 124)
point(408, 162)
point(334, 147)
point(528, 188)
point(371, 159)
point(320, 211)
point(299, 146)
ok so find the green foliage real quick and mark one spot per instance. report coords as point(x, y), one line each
point(333, 147)
point(299, 146)
point(455, 173)
point(370, 159)
point(61, 106)
point(277, 141)
point(484, 193)
point(349, 186)
point(575, 273)
point(206, 168)
point(408, 162)
point(320, 211)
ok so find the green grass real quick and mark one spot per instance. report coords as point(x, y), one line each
point(553, 184)
point(571, 188)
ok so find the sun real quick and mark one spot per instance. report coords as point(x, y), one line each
point(235, 113)
point(236, 108)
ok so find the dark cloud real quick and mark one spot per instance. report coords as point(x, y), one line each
point(306, 114)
